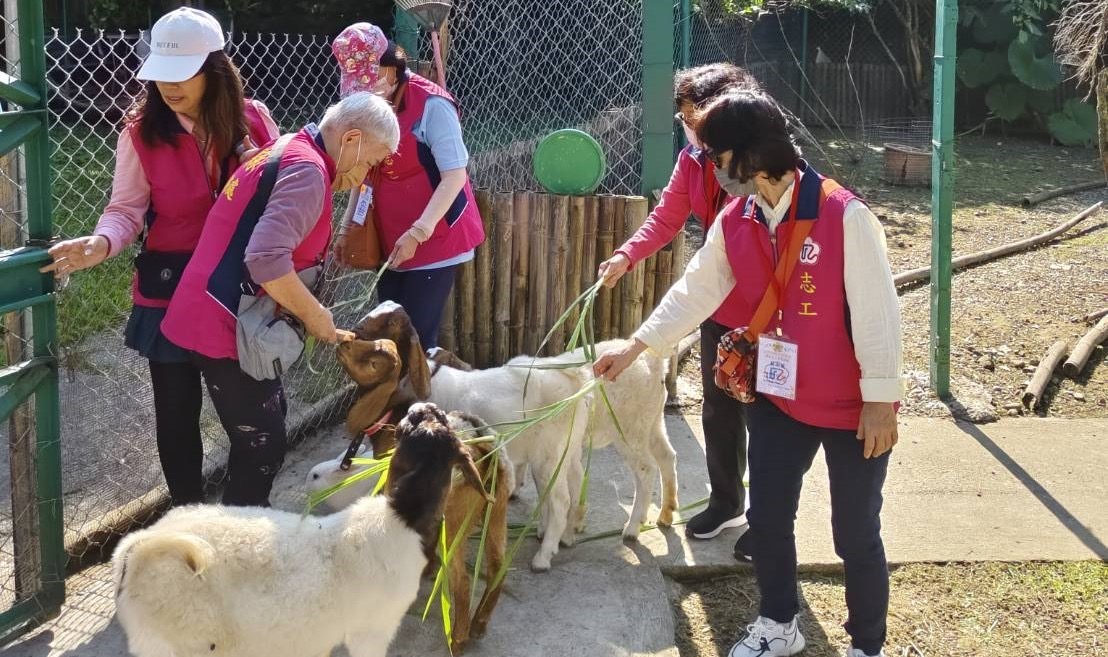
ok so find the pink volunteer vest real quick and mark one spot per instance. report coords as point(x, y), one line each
point(181, 193)
point(201, 316)
point(405, 181)
point(815, 313)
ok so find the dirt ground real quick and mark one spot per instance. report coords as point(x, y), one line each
point(1010, 610)
point(1006, 313)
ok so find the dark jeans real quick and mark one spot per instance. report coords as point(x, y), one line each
point(423, 294)
point(724, 430)
point(781, 451)
point(252, 413)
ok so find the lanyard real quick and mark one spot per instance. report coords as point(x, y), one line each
point(780, 270)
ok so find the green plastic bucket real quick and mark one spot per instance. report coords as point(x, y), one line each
point(569, 162)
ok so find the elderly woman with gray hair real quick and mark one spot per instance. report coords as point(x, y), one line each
point(264, 238)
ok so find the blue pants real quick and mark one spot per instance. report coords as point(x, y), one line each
point(781, 451)
point(423, 294)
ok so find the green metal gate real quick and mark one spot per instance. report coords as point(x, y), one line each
point(32, 555)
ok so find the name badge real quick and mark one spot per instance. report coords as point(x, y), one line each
point(777, 359)
point(365, 199)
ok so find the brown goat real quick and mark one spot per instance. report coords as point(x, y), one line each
point(376, 365)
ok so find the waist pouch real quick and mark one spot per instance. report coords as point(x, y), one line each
point(269, 338)
point(736, 360)
point(159, 272)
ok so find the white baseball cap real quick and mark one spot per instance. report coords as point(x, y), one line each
point(180, 42)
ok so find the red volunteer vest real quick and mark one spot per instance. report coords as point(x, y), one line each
point(405, 181)
point(181, 192)
point(201, 315)
point(815, 314)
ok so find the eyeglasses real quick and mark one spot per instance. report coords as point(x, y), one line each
point(712, 155)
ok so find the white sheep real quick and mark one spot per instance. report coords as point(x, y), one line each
point(255, 582)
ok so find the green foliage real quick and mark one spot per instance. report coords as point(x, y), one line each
point(1041, 73)
point(1074, 125)
point(119, 14)
point(977, 68)
point(1007, 100)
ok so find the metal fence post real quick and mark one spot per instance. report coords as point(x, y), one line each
point(406, 33)
point(942, 192)
point(686, 33)
point(657, 94)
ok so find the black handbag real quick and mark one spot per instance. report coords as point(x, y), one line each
point(159, 272)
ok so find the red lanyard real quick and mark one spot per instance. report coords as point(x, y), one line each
point(778, 276)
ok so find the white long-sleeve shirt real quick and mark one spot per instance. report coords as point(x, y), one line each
point(870, 294)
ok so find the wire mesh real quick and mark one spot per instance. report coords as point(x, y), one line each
point(109, 453)
point(521, 70)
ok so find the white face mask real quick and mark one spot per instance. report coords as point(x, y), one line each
point(690, 136)
point(733, 187)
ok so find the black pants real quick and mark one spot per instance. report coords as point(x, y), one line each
point(781, 451)
point(724, 430)
point(252, 413)
point(423, 294)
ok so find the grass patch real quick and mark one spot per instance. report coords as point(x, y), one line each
point(955, 610)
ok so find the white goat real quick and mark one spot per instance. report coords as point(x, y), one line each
point(254, 582)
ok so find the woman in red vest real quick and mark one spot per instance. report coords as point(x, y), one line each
point(694, 188)
point(426, 217)
point(180, 141)
point(816, 302)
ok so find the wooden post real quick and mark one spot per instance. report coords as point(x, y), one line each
point(559, 274)
point(537, 281)
point(634, 214)
point(521, 257)
point(588, 255)
point(650, 273)
point(466, 302)
point(448, 337)
point(604, 239)
point(619, 231)
point(678, 263)
point(502, 276)
point(663, 274)
point(483, 293)
point(574, 267)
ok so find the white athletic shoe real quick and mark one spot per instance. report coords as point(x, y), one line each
point(854, 652)
point(768, 638)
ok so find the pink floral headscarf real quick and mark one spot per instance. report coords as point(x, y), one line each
point(359, 49)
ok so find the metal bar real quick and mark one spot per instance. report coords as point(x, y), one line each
point(13, 372)
point(21, 618)
point(48, 464)
point(18, 132)
point(405, 31)
point(17, 91)
point(686, 33)
point(657, 94)
point(26, 303)
point(942, 192)
point(21, 389)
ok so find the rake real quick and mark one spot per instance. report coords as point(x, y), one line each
point(430, 14)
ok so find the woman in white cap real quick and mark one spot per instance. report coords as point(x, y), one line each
point(180, 141)
point(426, 217)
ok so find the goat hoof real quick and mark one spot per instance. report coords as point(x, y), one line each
point(458, 647)
point(630, 535)
point(665, 519)
point(568, 541)
point(540, 565)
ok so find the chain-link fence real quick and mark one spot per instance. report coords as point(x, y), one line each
point(523, 69)
point(112, 476)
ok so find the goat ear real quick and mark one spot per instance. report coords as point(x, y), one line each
point(369, 407)
point(418, 372)
point(471, 475)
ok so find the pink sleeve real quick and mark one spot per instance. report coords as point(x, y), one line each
point(122, 221)
point(663, 224)
point(267, 119)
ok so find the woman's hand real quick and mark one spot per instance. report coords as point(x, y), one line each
point(340, 248)
point(612, 362)
point(877, 428)
point(249, 149)
point(404, 250)
point(77, 254)
point(321, 325)
point(613, 269)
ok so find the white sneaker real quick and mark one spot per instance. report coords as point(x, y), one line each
point(854, 652)
point(768, 638)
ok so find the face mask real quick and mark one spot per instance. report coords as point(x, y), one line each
point(733, 187)
point(690, 136)
point(353, 176)
point(383, 89)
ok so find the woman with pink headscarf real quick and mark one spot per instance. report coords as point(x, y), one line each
point(426, 217)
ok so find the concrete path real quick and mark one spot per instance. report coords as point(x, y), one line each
point(1024, 489)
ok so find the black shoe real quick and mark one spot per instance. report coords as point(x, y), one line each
point(743, 547)
point(709, 523)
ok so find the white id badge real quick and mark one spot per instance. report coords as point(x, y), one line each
point(365, 199)
point(777, 359)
